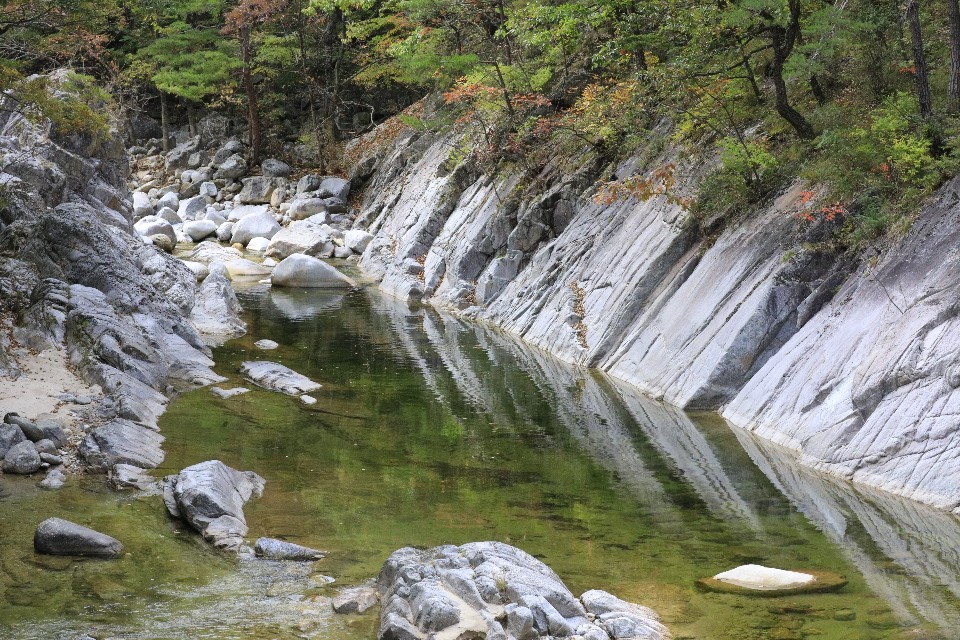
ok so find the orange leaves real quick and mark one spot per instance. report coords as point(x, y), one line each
point(808, 211)
point(661, 183)
point(469, 92)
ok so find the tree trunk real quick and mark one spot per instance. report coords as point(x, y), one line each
point(919, 60)
point(953, 89)
point(253, 110)
point(817, 90)
point(164, 122)
point(782, 40)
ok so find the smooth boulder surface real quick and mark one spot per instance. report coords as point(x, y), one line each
point(58, 537)
point(300, 270)
point(258, 244)
point(153, 226)
point(210, 497)
point(258, 225)
point(241, 267)
point(277, 377)
point(274, 549)
point(257, 190)
point(208, 251)
point(494, 590)
point(199, 229)
point(266, 344)
point(303, 208)
point(302, 236)
point(273, 168)
point(239, 213)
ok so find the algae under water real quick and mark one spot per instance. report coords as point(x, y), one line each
point(432, 430)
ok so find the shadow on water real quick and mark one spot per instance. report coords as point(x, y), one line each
point(433, 430)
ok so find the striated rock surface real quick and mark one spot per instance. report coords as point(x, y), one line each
point(216, 312)
point(851, 365)
point(122, 442)
point(210, 497)
point(76, 276)
point(277, 377)
point(494, 590)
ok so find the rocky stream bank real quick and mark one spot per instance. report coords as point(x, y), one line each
point(87, 273)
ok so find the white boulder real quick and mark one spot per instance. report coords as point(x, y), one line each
point(260, 225)
point(199, 229)
point(300, 270)
point(760, 578)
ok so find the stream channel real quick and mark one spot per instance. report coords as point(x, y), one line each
point(433, 430)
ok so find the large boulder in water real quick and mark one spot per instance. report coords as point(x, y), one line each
point(210, 497)
point(299, 270)
point(494, 590)
point(64, 538)
point(216, 312)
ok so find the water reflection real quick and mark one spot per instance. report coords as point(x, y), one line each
point(907, 552)
point(431, 430)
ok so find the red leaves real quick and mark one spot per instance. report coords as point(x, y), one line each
point(808, 212)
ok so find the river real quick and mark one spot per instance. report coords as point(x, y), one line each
point(432, 430)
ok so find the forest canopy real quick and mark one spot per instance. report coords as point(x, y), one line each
point(860, 98)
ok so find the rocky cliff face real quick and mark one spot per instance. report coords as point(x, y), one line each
point(75, 277)
point(848, 364)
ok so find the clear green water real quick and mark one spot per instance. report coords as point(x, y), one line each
point(429, 430)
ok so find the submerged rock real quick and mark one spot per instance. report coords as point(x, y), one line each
point(63, 538)
point(127, 476)
point(277, 377)
point(493, 590)
point(54, 479)
point(228, 393)
point(355, 600)
point(274, 549)
point(210, 497)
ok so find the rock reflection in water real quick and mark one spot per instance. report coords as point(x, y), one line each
point(908, 553)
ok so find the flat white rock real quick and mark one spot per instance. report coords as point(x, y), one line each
point(242, 267)
point(760, 578)
point(305, 399)
point(228, 393)
point(266, 344)
point(277, 377)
